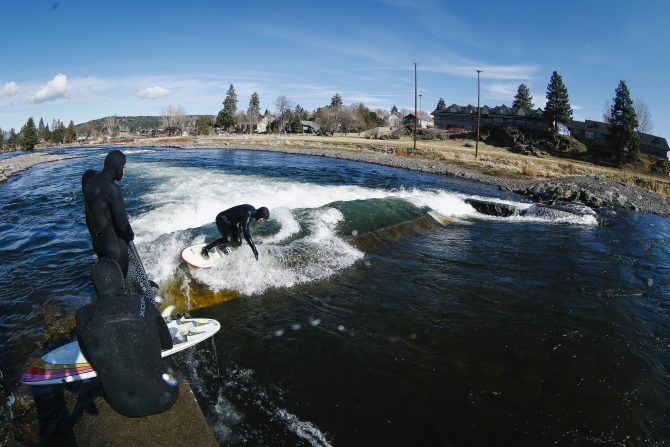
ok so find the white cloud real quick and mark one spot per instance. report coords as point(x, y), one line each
point(54, 89)
point(502, 91)
point(521, 72)
point(9, 89)
point(155, 92)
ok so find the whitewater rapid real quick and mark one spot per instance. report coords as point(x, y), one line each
point(305, 245)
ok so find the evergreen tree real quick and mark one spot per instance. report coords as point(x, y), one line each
point(296, 125)
point(226, 117)
point(336, 101)
point(623, 125)
point(46, 135)
point(14, 141)
point(254, 110)
point(202, 125)
point(29, 133)
point(394, 110)
point(302, 113)
point(440, 105)
point(40, 129)
point(70, 135)
point(370, 118)
point(58, 132)
point(523, 98)
point(558, 108)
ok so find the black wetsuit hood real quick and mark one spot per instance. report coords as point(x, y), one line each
point(114, 164)
point(262, 213)
point(107, 278)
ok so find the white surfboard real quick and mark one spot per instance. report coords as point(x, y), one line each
point(68, 364)
point(193, 257)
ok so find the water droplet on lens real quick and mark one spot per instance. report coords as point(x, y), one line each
point(295, 326)
point(340, 328)
point(170, 377)
point(354, 233)
point(279, 332)
point(650, 282)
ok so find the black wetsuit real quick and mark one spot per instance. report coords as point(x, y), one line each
point(232, 224)
point(107, 220)
point(122, 337)
point(86, 176)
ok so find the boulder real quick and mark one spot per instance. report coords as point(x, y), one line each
point(491, 208)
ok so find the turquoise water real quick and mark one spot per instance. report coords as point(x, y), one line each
point(368, 319)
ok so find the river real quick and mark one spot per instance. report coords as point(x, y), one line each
point(383, 310)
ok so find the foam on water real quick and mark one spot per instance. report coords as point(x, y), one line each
point(139, 151)
point(186, 199)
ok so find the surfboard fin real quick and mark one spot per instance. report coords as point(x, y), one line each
point(167, 313)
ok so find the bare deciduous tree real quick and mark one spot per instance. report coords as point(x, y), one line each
point(112, 125)
point(174, 116)
point(283, 106)
point(645, 125)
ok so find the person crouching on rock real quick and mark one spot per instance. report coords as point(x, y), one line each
point(122, 337)
point(232, 223)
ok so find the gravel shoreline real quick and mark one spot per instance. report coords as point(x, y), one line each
point(13, 165)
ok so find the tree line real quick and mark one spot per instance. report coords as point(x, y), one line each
point(30, 134)
point(288, 117)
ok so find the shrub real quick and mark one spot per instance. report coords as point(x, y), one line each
point(528, 170)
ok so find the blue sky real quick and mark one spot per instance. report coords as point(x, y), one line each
point(81, 60)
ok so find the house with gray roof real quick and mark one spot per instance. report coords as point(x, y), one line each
point(309, 127)
point(465, 117)
point(591, 133)
point(392, 120)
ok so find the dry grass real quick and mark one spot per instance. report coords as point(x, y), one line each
point(528, 170)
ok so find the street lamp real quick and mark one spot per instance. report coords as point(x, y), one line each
point(415, 106)
point(478, 116)
point(420, 95)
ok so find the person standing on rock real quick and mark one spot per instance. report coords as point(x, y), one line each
point(106, 216)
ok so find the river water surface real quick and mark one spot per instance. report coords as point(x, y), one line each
point(383, 309)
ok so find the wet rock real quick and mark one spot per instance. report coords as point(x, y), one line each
point(546, 212)
point(60, 324)
point(557, 211)
point(492, 208)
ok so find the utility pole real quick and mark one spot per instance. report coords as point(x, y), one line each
point(415, 117)
point(478, 116)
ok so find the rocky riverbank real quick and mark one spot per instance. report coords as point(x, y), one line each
point(14, 165)
point(593, 191)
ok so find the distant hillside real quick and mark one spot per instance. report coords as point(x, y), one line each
point(133, 123)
